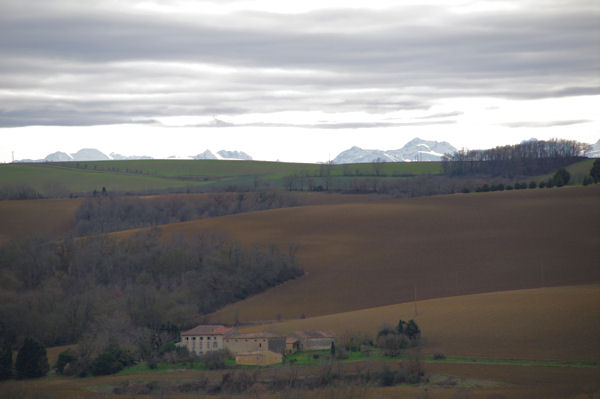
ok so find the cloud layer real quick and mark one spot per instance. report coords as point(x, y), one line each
point(64, 63)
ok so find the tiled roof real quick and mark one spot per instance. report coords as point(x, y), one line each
point(253, 335)
point(313, 334)
point(209, 329)
point(291, 340)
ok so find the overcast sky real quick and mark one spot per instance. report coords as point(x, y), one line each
point(291, 80)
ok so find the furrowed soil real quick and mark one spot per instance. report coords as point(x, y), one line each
point(52, 216)
point(362, 255)
point(57, 216)
point(554, 324)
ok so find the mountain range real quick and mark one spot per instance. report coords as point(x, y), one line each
point(92, 154)
point(415, 150)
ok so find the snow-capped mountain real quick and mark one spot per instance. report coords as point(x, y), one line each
point(58, 156)
point(414, 150)
point(595, 152)
point(205, 155)
point(89, 154)
point(119, 157)
point(224, 154)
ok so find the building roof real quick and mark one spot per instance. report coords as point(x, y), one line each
point(251, 335)
point(209, 329)
point(291, 340)
point(313, 334)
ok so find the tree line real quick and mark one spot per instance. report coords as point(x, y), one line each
point(126, 291)
point(526, 159)
point(106, 212)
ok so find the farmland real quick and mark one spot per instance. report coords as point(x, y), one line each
point(363, 255)
point(182, 175)
point(504, 284)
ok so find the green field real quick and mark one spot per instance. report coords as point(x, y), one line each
point(54, 179)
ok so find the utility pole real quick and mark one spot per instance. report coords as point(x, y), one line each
point(415, 292)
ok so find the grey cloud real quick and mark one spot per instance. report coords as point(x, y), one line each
point(545, 124)
point(321, 60)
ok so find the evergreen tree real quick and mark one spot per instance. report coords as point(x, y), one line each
point(400, 327)
point(561, 177)
point(332, 350)
point(32, 360)
point(5, 361)
point(412, 330)
point(595, 171)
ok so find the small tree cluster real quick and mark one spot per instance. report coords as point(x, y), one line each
point(394, 340)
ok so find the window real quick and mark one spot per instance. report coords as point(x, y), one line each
point(207, 337)
point(201, 337)
point(215, 344)
point(187, 338)
point(193, 338)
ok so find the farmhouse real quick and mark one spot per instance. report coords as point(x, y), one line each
point(205, 338)
point(313, 340)
point(255, 342)
point(292, 345)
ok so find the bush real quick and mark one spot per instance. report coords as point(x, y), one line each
point(532, 184)
point(587, 180)
point(561, 177)
point(215, 360)
point(112, 361)
point(32, 360)
point(64, 358)
point(439, 356)
point(392, 344)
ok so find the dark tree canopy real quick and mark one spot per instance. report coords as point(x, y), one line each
point(526, 159)
point(595, 171)
point(32, 361)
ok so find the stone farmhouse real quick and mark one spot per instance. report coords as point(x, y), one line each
point(205, 338)
point(260, 348)
point(313, 340)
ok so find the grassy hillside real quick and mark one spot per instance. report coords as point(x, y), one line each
point(151, 175)
point(558, 323)
point(362, 255)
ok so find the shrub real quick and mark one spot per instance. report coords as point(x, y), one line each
point(587, 180)
point(439, 356)
point(112, 361)
point(32, 360)
point(532, 184)
point(392, 344)
point(215, 360)
point(64, 358)
point(561, 177)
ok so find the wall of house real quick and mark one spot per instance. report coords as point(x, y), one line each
point(316, 344)
point(277, 344)
point(241, 345)
point(200, 344)
point(259, 358)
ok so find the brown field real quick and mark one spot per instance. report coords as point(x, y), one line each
point(52, 216)
point(557, 323)
point(56, 216)
point(362, 255)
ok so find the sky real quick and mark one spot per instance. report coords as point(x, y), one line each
point(293, 81)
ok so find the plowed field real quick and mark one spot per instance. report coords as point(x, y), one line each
point(359, 256)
